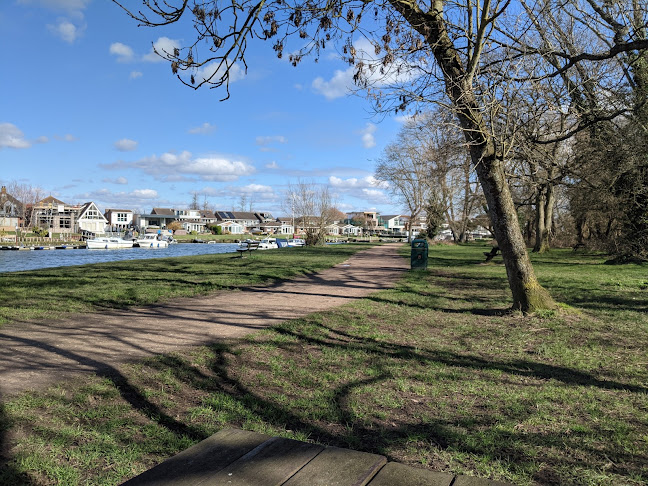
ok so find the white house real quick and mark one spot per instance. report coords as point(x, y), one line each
point(119, 218)
point(10, 211)
point(333, 229)
point(91, 219)
point(232, 227)
point(351, 230)
point(394, 223)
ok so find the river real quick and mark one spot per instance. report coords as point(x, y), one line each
point(16, 261)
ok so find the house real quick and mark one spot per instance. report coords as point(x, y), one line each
point(119, 218)
point(232, 227)
point(350, 230)
point(90, 219)
point(368, 220)
point(394, 223)
point(158, 218)
point(190, 219)
point(418, 224)
point(276, 227)
point(333, 229)
point(11, 211)
point(54, 215)
point(208, 217)
point(250, 221)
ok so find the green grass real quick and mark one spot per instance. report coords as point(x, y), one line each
point(435, 373)
point(55, 292)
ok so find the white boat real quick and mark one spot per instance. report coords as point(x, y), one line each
point(268, 244)
point(151, 240)
point(108, 243)
point(296, 242)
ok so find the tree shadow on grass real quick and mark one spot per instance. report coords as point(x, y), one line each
point(250, 406)
point(9, 474)
point(381, 436)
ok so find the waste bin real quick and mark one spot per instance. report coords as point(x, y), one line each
point(419, 254)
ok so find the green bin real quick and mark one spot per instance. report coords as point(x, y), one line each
point(419, 254)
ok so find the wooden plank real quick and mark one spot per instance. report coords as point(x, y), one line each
point(472, 481)
point(270, 464)
point(339, 467)
point(192, 466)
point(394, 473)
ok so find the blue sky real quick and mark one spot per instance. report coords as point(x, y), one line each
point(89, 113)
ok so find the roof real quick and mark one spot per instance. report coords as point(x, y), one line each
point(49, 200)
point(118, 210)
point(163, 211)
point(391, 216)
point(88, 205)
point(5, 196)
point(236, 215)
point(207, 214)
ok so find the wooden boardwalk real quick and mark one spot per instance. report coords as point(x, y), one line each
point(240, 458)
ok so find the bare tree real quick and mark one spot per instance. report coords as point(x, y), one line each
point(313, 208)
point(405, 168)
point(194, 201)
point(28, 195)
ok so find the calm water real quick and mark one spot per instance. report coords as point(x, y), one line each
point(15, 261)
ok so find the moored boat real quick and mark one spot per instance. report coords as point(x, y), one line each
point(151, 240)
point(108, 243)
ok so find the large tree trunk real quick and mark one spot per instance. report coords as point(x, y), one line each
point(545, 199)
point(528, 294)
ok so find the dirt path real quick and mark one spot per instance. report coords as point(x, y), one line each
point(34, 355)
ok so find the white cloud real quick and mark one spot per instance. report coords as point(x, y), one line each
point(123, 52)
point(138, 198)
point(66, 138)
point(368, 140)
point(355, 183)
point(12, 137)
point(119, 180)
point(125, 145)
point(203, 129)
point(270, 139)
point(236, 72)
point(251, 188)
point(172, 166)
point(66, 30)
point(70, 5)
point(272, 165)
point(375, 74)
point(41, 139)
point(145, 193)
point(340, 84)
point(161, 47)
point(135, 74)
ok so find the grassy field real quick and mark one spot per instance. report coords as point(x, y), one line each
point(434, 373)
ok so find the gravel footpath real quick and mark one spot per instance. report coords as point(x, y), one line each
point(38, 354)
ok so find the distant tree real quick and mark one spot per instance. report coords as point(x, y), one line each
point(28, 195)
point(216, 229)
point(194, 201)
point(245, 203)
point(174, 225)
point(434, 216)
point(314, 209)
point(337, 215)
